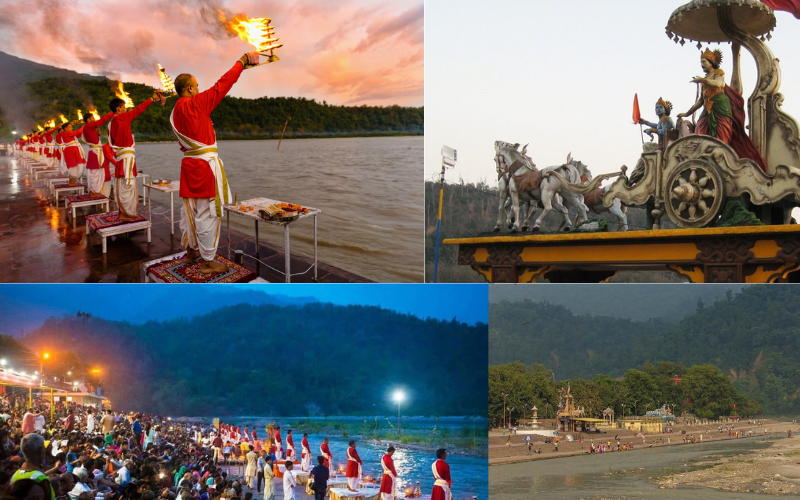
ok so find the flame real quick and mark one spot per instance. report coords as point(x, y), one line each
point(63, 120)
point(40, 128)
point(80, 115)
point(93, 111)
point(52, 123)
point(166, 81)
point(256, 31)
point(120, 92)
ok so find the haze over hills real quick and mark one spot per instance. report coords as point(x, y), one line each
point(640, 302)
point(314, 359)
point(752, 336)
point(29, 306)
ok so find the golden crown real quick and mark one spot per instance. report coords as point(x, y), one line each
point(715, 56)
point(666, 104)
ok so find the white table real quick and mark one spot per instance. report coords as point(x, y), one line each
point(52, 181)
point(333, 482)
point(170, 188)
point(100, 201)
point(78, 187)
point(148, 277)
point(363, 493)
point(142, 175)
point(253, 214)
point(121, 229)
point(43, 173)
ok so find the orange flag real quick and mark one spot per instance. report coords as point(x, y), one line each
point(636, 113)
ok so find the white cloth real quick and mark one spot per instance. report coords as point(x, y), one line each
point(90, 418)
point(305, 461)
point(106, 189)
point(207, 152)
point(77, 490)
point(289, 485)
point(96, 179)
point(200, 227)
point(38, 423)
point(127, 195)
point(353, 482)
point(251, 471)
point(76, 172)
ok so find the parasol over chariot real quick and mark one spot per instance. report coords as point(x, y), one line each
point(695, 169)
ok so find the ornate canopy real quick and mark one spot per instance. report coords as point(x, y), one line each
point(697, 20)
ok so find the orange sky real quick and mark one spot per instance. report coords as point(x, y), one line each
point(345, 51)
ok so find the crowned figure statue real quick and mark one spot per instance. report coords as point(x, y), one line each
point(723, 109)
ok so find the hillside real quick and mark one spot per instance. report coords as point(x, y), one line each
point(633, 301)
point(471, 210)
point(34, 93)
point(245, 360)
point(752, 336)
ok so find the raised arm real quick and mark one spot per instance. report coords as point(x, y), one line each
point(97, 123)
point(209, 99)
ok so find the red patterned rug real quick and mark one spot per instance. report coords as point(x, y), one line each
point(177, 271)
point(83, 197)
point(75, 186)
point(110, 219)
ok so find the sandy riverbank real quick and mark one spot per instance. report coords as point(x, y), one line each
point(501, 453)
point(773, 471)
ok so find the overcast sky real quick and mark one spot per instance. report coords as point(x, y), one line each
point(562, 76)
point(345, 52)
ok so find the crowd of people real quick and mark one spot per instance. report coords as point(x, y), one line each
point(86, 453)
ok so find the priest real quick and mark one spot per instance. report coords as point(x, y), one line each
point(389, 480)
point(354, 464)
point(121, 139)
point(204, 186)
point(95, 159)
point(441, 477)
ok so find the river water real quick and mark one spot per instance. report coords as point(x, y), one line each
point(626, 475)
point(370, 190)
point(469, 473)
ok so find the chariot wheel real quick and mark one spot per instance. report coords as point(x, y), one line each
point(694, 193)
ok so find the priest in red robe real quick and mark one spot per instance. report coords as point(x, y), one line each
point(94, 160)
point(305, 454)
point(441, 477)
point(126, 189)
point(389, 480)
point(325, 451)
point(278, 443)
point(74, 156)
point(109, 160)
point(204, 186)
point(289, 446)
point(354, 464)
point(49, 158)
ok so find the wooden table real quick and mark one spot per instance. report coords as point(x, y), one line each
point(121, 229)
point(253, 214)
point(170, 188)
point(142, 175)
point(78, 187)
point(71, 206)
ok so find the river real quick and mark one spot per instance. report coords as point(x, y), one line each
point(625, 475)
point(370, 190)
point(469, 473)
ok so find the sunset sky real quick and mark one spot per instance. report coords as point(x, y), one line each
point(349, 52)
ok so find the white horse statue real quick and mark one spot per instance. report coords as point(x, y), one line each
point(594, 199)
point(528, 184)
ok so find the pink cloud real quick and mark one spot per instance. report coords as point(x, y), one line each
point(353, 51)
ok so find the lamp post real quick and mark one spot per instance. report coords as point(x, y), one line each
point(45, 355)
point(398, 397)
point(449, 157)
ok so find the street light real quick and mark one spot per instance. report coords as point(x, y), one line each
point(3, 362)
point(398, 397)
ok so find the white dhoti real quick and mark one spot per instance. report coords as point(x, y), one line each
point(353, 482)
point(96, 178)
point(76, 172)
point(200, 227)
point(126, 189)
point(200, 220)
point(305, 460)
point(106, 188)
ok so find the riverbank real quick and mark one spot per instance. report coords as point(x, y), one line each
point(774, 471)
point(501, 453)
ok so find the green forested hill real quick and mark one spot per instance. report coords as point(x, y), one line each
point(752, 336)
point(282, 360)
point(37, 93)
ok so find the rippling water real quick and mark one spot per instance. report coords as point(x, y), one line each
point(469, 473)
point(369, 189)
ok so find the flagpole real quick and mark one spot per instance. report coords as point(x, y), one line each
point(641, 132)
